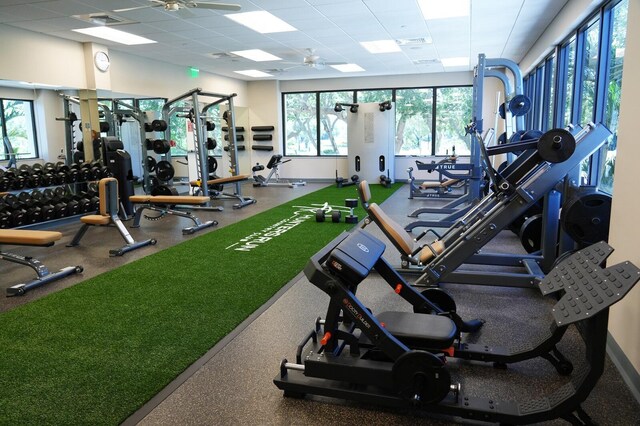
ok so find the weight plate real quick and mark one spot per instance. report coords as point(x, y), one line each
point(151, 164)
point(502, 111)
point(556, 145)
point(502, 139)
point(335, 216)
point(165, 170)
point(585, 217)
point(161, 146)
point(420, 376)
point(212, 164)
point(519, 105)
point(438, 297)
point(531, 233)
point(531, 135)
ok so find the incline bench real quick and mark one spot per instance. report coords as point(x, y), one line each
point(162, 204)
point(22, 237)
point(196, 186)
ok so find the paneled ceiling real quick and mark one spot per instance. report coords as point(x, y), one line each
point(333, 29)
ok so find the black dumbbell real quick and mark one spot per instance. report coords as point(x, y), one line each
point(352, 203)
point(73, 205)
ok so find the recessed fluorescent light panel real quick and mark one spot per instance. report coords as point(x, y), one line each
point(455, 62)
point(254, 73)
point(256, 55)
point(381, 46)
point(438, 9)
point(110, 34)
point(261, 21)
point(348, 68)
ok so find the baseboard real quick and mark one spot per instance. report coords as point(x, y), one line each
point(629, 374)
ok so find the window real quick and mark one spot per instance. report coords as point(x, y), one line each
point(549, 92)
point(301, 128)
point(453, 113)
point(618, 16)
point(589, 72)
point(364, 96)
point(570, 67)
point(333, 125)
point(312, 127)
point(414, 121)
point(18, 126)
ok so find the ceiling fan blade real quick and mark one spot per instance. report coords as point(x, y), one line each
point(217, 6)
point(133, 8)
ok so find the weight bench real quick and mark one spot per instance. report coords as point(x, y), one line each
point(21, 237)
point(108, 214)
point(410, 253)
point(196, 186)
point(444, 185)
point(163, 205)
point(273, 165)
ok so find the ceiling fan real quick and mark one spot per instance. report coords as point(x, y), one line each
point(309, 60)
point(177, 5)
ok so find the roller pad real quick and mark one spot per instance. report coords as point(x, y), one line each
point(354, 257)
point(588, 288)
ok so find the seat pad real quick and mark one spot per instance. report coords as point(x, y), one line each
point(96, 219)
point(28, 237)
point(168, 199)
point(222, 180)
point(420, 330)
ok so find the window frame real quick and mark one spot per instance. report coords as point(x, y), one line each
point(4, 132)
point(355, 94)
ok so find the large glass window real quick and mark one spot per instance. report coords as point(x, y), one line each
point(453, 113)
point(414, 121)
point(550, 82)
point(618, 16)
point(333, 125)
point(589, 72)
point(570, 57)
point(301, 128)
point(18, 127)
point(365, 96)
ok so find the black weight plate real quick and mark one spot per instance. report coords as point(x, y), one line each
point(165, 170)
point(421, 374)
point(212, 164)
point(531, 233)
point(502, 139)
point(585, 217)
point(161, 146)
point(335, 216)
point(320, 215)
point(151, 164)
point(211, 144)
point(159, 125)
point(438, 297)
point(164, 190)
point(502, 111)
point(556, 145)
point(516, 136)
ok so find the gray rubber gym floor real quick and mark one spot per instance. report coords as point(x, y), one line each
point(232, 384)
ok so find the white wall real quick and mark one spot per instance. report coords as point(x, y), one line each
point(624, 234)
point(33, 57)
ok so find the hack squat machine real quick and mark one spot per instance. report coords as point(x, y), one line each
point(398, 359)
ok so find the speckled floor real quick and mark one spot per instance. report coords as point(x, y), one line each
point(233, 383)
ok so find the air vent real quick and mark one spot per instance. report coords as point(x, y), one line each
point(222, 55)
point(413, 41)
point(425, 61)
point(103, 19)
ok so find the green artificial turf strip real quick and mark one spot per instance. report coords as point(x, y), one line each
point(94, 353)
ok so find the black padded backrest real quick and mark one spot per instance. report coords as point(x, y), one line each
point(274, 160)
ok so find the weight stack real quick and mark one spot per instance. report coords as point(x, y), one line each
point(119, 164)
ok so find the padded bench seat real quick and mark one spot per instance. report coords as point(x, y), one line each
point(221, 180)
point(420, 331)
point(28, 237)
point(95, 219)
point(447, 183)
point(168, 199)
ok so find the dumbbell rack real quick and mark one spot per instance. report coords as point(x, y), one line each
point(27, 204)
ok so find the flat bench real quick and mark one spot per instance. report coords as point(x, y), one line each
point(163, 205)
point(242, 201)
point(23, 237)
